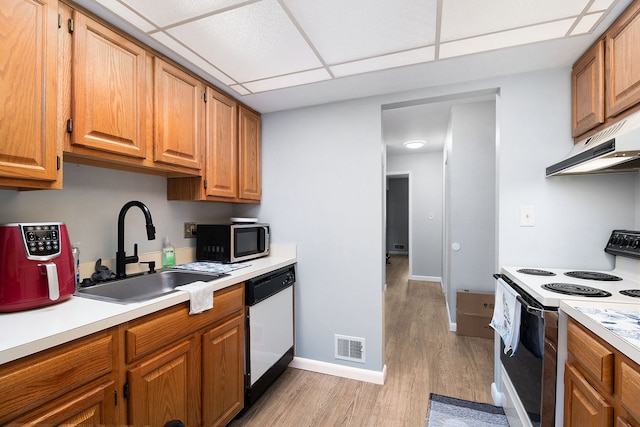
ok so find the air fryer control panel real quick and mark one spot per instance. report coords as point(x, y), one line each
point(41, 240)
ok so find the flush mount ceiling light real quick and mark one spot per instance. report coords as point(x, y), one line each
point(414, 144)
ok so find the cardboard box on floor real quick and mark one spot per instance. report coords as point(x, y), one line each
point(474, 311)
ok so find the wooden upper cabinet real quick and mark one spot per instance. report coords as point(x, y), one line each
point(587, 89)
point(623, 61)
point(249, 174)
point(221, 146)
point(28, 89)
point(108, 108)
point(178, 116)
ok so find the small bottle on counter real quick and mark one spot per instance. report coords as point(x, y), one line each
point(75, 250)
point(168, 254)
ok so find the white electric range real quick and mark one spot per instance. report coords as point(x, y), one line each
point(527, 377)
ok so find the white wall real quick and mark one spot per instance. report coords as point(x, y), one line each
point(426, 202)
point(322, 189)
point(471, 218)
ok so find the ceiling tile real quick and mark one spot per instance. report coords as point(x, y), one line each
point(297, 79)
point(600, 5)
point(250, 43)
point(343, 31)
point(130, 16)
point(414, 56)
point(468, 18)
point(241, 90)
point(585, 25)
point(196, 60)
point(166, 12)
point(504, 39)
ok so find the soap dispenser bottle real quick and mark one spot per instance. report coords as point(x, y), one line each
point(168, 254)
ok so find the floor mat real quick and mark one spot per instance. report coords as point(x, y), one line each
point(452, 412)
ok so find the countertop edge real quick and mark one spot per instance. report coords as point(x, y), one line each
point(101, 315)
point(624, 346)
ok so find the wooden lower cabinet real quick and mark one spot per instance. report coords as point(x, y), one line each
point(63, 385)
point(602, 385)
point(164, 387)
point(223, 372)
point(584, 406)
point(196, 375)
point(165, 366)
point(89, 407)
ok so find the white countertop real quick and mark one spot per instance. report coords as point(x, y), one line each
point(27, 332)
point(613, 322)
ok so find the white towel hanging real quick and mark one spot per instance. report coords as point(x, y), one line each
point(506, 316)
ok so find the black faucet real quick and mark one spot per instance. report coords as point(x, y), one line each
point(121, 256)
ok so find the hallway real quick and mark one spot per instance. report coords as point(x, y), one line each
point(422, 356)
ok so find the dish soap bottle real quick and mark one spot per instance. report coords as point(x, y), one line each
point(168, 254)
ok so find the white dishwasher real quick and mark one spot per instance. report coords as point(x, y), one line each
point(269, 330)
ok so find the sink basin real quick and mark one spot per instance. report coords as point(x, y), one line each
point(144, 287)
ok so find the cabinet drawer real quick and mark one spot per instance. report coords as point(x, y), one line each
point(630, 388)
point(50, 374)
point(596, 359)
point(156, 330)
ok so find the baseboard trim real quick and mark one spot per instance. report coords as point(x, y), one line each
point(426, 278)
point(366, 375)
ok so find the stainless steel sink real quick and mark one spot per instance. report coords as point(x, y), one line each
point(144, 287)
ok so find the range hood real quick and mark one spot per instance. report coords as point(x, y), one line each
point(614, 149)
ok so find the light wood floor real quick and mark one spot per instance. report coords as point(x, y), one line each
point(422, 356)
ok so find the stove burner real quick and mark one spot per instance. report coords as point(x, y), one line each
point(593, 275)
point(631, 293)
point(578, 290)
point(536, 272)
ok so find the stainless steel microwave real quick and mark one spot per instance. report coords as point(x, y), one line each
point(229, 243)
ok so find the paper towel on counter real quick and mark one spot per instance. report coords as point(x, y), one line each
point(506, 316)
point(200, 296)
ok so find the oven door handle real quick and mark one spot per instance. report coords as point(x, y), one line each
point(530, 309)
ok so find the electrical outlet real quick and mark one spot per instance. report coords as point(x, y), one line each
point(189, 230)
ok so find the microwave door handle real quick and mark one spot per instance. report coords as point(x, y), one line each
point(267, 238)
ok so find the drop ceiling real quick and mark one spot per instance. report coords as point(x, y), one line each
point(279, 54)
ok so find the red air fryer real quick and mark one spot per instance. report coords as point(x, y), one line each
point(36, 265)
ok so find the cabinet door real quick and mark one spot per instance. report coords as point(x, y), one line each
point(93, 406)
point(583, 405)
point(178, 116)
point(28, 67)
point(629, 382)
point(223, 372)
point(587, 85)
point(249, 155)
point(108, 107)
point(221, 143)
point(165, 388)
point(623, 62)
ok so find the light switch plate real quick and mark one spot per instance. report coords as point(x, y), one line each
point(527, 216)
